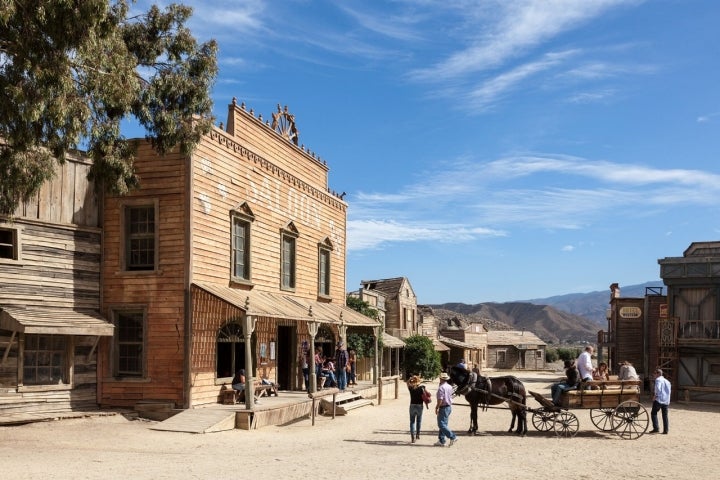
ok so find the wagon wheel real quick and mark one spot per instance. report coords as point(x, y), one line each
point(543, 420)
point(566, 424)
point(630, 420)
point(602, 418)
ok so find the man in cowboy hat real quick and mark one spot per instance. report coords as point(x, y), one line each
point(443, 408)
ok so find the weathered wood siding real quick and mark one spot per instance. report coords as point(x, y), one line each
point(253, 166)
point(280, 184)
point(58, 266)
point(160, 293)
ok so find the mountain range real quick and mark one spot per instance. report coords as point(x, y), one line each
point(561, 319)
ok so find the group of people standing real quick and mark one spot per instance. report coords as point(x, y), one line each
point(337, 371)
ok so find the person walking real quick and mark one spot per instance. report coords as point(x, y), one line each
point(661, 400)
point(416, 406)
point(443, 409)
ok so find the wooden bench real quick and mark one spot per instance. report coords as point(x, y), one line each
point(263, 390)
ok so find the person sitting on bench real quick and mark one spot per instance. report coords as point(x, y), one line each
point(238, 384)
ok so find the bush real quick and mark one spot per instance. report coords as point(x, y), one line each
point(420, 357)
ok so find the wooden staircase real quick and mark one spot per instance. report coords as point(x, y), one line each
point(344, 402)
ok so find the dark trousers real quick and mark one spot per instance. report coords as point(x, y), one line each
point(657, 406)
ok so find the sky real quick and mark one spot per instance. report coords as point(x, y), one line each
point(493, 150)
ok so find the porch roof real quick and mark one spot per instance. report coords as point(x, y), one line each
point(451, 342)
point(277, 305)
point(54, 320)
point(392, 342)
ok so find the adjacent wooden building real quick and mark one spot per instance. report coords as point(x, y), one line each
point(515, 349)
point(50, 321)
point(232, 257)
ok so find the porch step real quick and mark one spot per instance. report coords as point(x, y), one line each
point(344, 402)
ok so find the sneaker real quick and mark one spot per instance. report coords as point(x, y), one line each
point(453, 441)
point(439, 444)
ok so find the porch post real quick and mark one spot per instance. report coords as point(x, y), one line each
point(376, 374)
point(313, 327)
point(249, 322)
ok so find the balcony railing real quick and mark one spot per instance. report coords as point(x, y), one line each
point(699, 330)
point(605, 338)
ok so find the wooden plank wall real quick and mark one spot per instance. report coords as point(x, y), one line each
point(59, 266)
point(160, 292)
point(227, 174)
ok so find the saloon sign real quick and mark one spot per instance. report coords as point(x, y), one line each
point(630, 312)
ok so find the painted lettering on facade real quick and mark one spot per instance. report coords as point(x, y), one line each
point(630, 312)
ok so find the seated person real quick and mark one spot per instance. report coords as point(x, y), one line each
point(601, 373)
point(572, 378)
point(627, 372)
point(238, 384)
point(328, 371)
point(462, 364)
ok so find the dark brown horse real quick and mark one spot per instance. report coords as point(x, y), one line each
point(492, 391)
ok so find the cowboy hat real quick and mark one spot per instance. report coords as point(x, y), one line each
point(444, 376)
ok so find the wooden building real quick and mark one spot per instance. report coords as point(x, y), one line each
point(50, 322)
point(231, 257)
point(465, 340)
point(513, 349)
point(632, 333)
point(689, 328)
point(401, 317)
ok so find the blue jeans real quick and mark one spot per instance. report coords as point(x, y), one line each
point(442, 421)
point(341, 379)
point(557, 389)
point(416, 412)
point(653, 414)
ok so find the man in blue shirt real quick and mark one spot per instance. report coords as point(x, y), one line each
point(661, 400)
point(443, 408)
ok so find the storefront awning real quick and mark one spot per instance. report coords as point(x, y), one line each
point(54, 321)
point(392, 342)
point(451, 342)
point(439, 346)
point(276, 305)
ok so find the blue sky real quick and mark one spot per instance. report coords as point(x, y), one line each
point(494, 150)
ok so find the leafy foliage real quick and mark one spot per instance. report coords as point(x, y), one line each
point(362, 343)
point(72, 70)
point(421, 357)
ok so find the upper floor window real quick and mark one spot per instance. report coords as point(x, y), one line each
point(140, 237)
point(324, 249)
point(241, 219)
point(129, 351)
point(9, 244)
point(288, 257)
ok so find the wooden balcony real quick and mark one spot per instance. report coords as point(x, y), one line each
point(697, 332)
point(606, 339)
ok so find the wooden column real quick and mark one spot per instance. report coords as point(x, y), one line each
point(376, 374)
point(249, 322)
point(313, 327)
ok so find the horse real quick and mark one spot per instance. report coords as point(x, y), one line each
point(492, 391)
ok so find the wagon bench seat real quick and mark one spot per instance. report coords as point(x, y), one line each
point(601, 394)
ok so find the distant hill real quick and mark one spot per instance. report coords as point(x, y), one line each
point(593, 305)
point(571, 318)
point(551, 325)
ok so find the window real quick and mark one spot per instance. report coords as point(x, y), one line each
point(129, 344)
point(44, 359)
point(241, 246)
point(230, 350)
point(140, 238)
point(9, 244)
point(324, 250)
point(288, 257)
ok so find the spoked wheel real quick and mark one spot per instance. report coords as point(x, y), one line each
point(566, 424)
point(602, 418)
point(543, 419)
point(630, 420)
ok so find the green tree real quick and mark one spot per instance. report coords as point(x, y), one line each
point(362, 343)
point(72, 70)
point(420, 357)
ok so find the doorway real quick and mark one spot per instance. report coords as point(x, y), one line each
point(285, 357)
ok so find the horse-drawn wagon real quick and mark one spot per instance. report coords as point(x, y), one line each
point(614, 407)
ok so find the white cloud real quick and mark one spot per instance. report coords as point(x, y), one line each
point(567, 248)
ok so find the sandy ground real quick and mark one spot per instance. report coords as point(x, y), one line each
point(369, 443)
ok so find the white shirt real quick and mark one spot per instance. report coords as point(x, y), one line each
point(584, 365)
